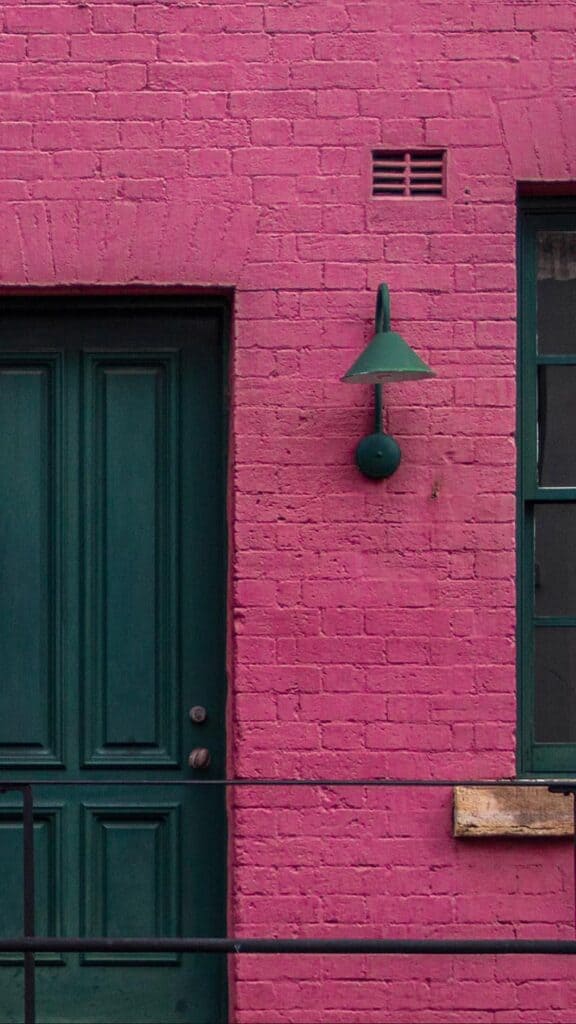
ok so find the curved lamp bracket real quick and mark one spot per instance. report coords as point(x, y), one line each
point(378, 455)
point(383, 319)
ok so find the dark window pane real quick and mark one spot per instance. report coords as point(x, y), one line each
point(556, 297)
point(557, 426)
point(555, 673)
point(555, 569)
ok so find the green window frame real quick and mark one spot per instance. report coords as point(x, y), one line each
point(542, 749)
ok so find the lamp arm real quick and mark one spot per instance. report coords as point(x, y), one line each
point(378, 408)
point(383, 309)
point(382, 324)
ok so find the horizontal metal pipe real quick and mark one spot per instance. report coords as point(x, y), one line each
point(315, 946)
point(391, 783)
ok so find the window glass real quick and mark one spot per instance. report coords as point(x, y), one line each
point(555, 553)
point(555, 684)
point(557, 425)
point(556, 297)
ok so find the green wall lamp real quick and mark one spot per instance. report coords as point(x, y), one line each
point(387, 357)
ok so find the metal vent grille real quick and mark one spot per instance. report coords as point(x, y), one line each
point(415, 173)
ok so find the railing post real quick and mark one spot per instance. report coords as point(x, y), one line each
point(25, 789)
point(29, 897)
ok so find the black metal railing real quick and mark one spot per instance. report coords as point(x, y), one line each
point(29, 943)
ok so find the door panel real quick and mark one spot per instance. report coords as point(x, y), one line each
point(131, 592)
point(133, 877)
point(112, 560)
point(29, 594)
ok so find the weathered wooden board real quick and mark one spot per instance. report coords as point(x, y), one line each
point(489, 811)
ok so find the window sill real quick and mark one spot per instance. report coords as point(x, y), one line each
point(488, 812)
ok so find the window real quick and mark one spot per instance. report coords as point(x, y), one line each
point(547, 487)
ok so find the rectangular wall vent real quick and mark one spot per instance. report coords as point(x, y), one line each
point(416, 173)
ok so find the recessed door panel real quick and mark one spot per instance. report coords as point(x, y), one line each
point(132, 880)
point(132, 558)
point(29, 561)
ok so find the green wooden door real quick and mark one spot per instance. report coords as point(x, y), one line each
point(112, 567)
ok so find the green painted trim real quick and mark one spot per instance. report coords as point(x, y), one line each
point(556, 360)
point(546, 205)
point(534, 214)
point(227, 513)
point(554, 620)
point(543, 494)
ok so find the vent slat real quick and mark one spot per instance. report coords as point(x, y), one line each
point(398, 171)
point(424, 156)
point(416, 173)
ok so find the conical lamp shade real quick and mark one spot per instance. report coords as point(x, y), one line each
point(387, 358)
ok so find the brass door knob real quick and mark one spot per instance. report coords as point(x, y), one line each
point(199, 758)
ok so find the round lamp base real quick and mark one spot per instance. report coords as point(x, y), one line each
point(378, 456)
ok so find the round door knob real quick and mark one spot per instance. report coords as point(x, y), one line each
point(198, 714)
point(199, 758)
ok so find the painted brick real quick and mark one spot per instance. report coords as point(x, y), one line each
point(274, 160)
point(60, 77)
point(269, 75)
point(155, 105)
point(26, 165)
point(126, 76)
point(204, 47)
point(143, 163)
point(113, 18)
point(107, 47)
point(306, 17)
point(175, 18)
point(257, 104)
point(46, 47)
point(557, 16)
point(139, 134)
point(337, 103)
point(349, 46)
point(142, 188)
point(47, 18)
point(199, 77)
point(271, 131)
point(76, 164)
point(13, 47)
point(227, 144)
point(463, 45)
point(76, 134)
point(292, 47)
point(337, 131)
point(334, 74)
point(15, 135)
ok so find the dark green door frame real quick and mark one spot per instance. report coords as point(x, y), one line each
point(113, 467)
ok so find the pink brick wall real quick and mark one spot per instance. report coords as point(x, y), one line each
point(227, 143)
